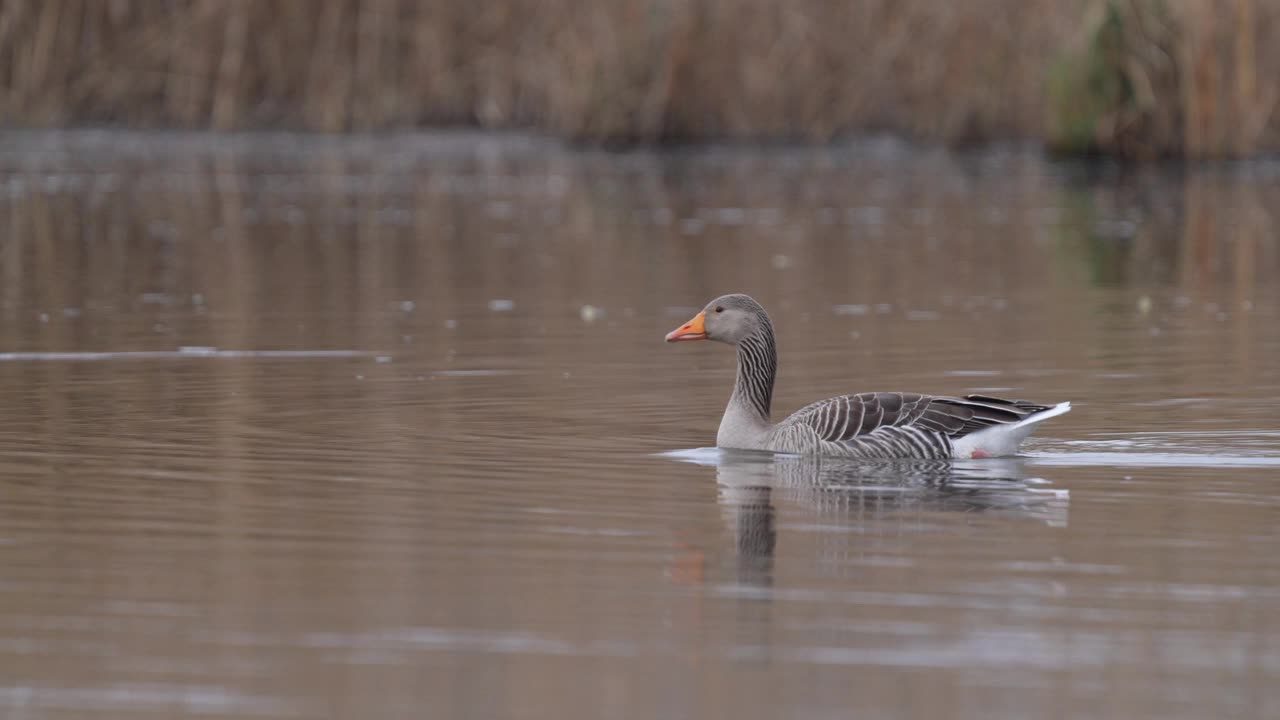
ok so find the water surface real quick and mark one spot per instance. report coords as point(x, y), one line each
point(384, 428)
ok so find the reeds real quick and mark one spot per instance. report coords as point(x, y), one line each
point(1155, 78)
point(636, 70)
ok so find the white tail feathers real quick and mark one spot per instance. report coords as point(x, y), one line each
point(1001, 440)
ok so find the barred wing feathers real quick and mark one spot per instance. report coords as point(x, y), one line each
point(897, 417)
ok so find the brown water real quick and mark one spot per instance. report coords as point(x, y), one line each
point(384, 428)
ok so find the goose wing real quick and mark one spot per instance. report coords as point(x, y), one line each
point(847, 417)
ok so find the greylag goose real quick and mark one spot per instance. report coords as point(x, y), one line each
point(867, 425)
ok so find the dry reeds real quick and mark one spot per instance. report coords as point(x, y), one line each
point(630, 70)
point(619, 70)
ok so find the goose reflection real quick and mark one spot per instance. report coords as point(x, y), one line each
point(842, 493)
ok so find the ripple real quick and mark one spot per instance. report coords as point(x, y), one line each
point(180, 353)
point(1137, 459)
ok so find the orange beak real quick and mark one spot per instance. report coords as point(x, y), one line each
point(691, 330)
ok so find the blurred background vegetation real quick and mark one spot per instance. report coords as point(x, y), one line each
point(1131, 78)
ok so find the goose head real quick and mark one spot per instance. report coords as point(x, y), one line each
point(727, 319)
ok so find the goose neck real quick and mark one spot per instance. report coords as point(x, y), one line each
point(757, 367)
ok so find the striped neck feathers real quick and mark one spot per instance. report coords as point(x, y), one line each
point(757, 367)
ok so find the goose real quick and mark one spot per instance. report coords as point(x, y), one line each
point(890, 425)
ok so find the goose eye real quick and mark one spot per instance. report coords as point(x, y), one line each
point(719, 309)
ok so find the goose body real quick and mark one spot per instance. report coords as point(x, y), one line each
point(865, 425)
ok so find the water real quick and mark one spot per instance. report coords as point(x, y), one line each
point(384, 428)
